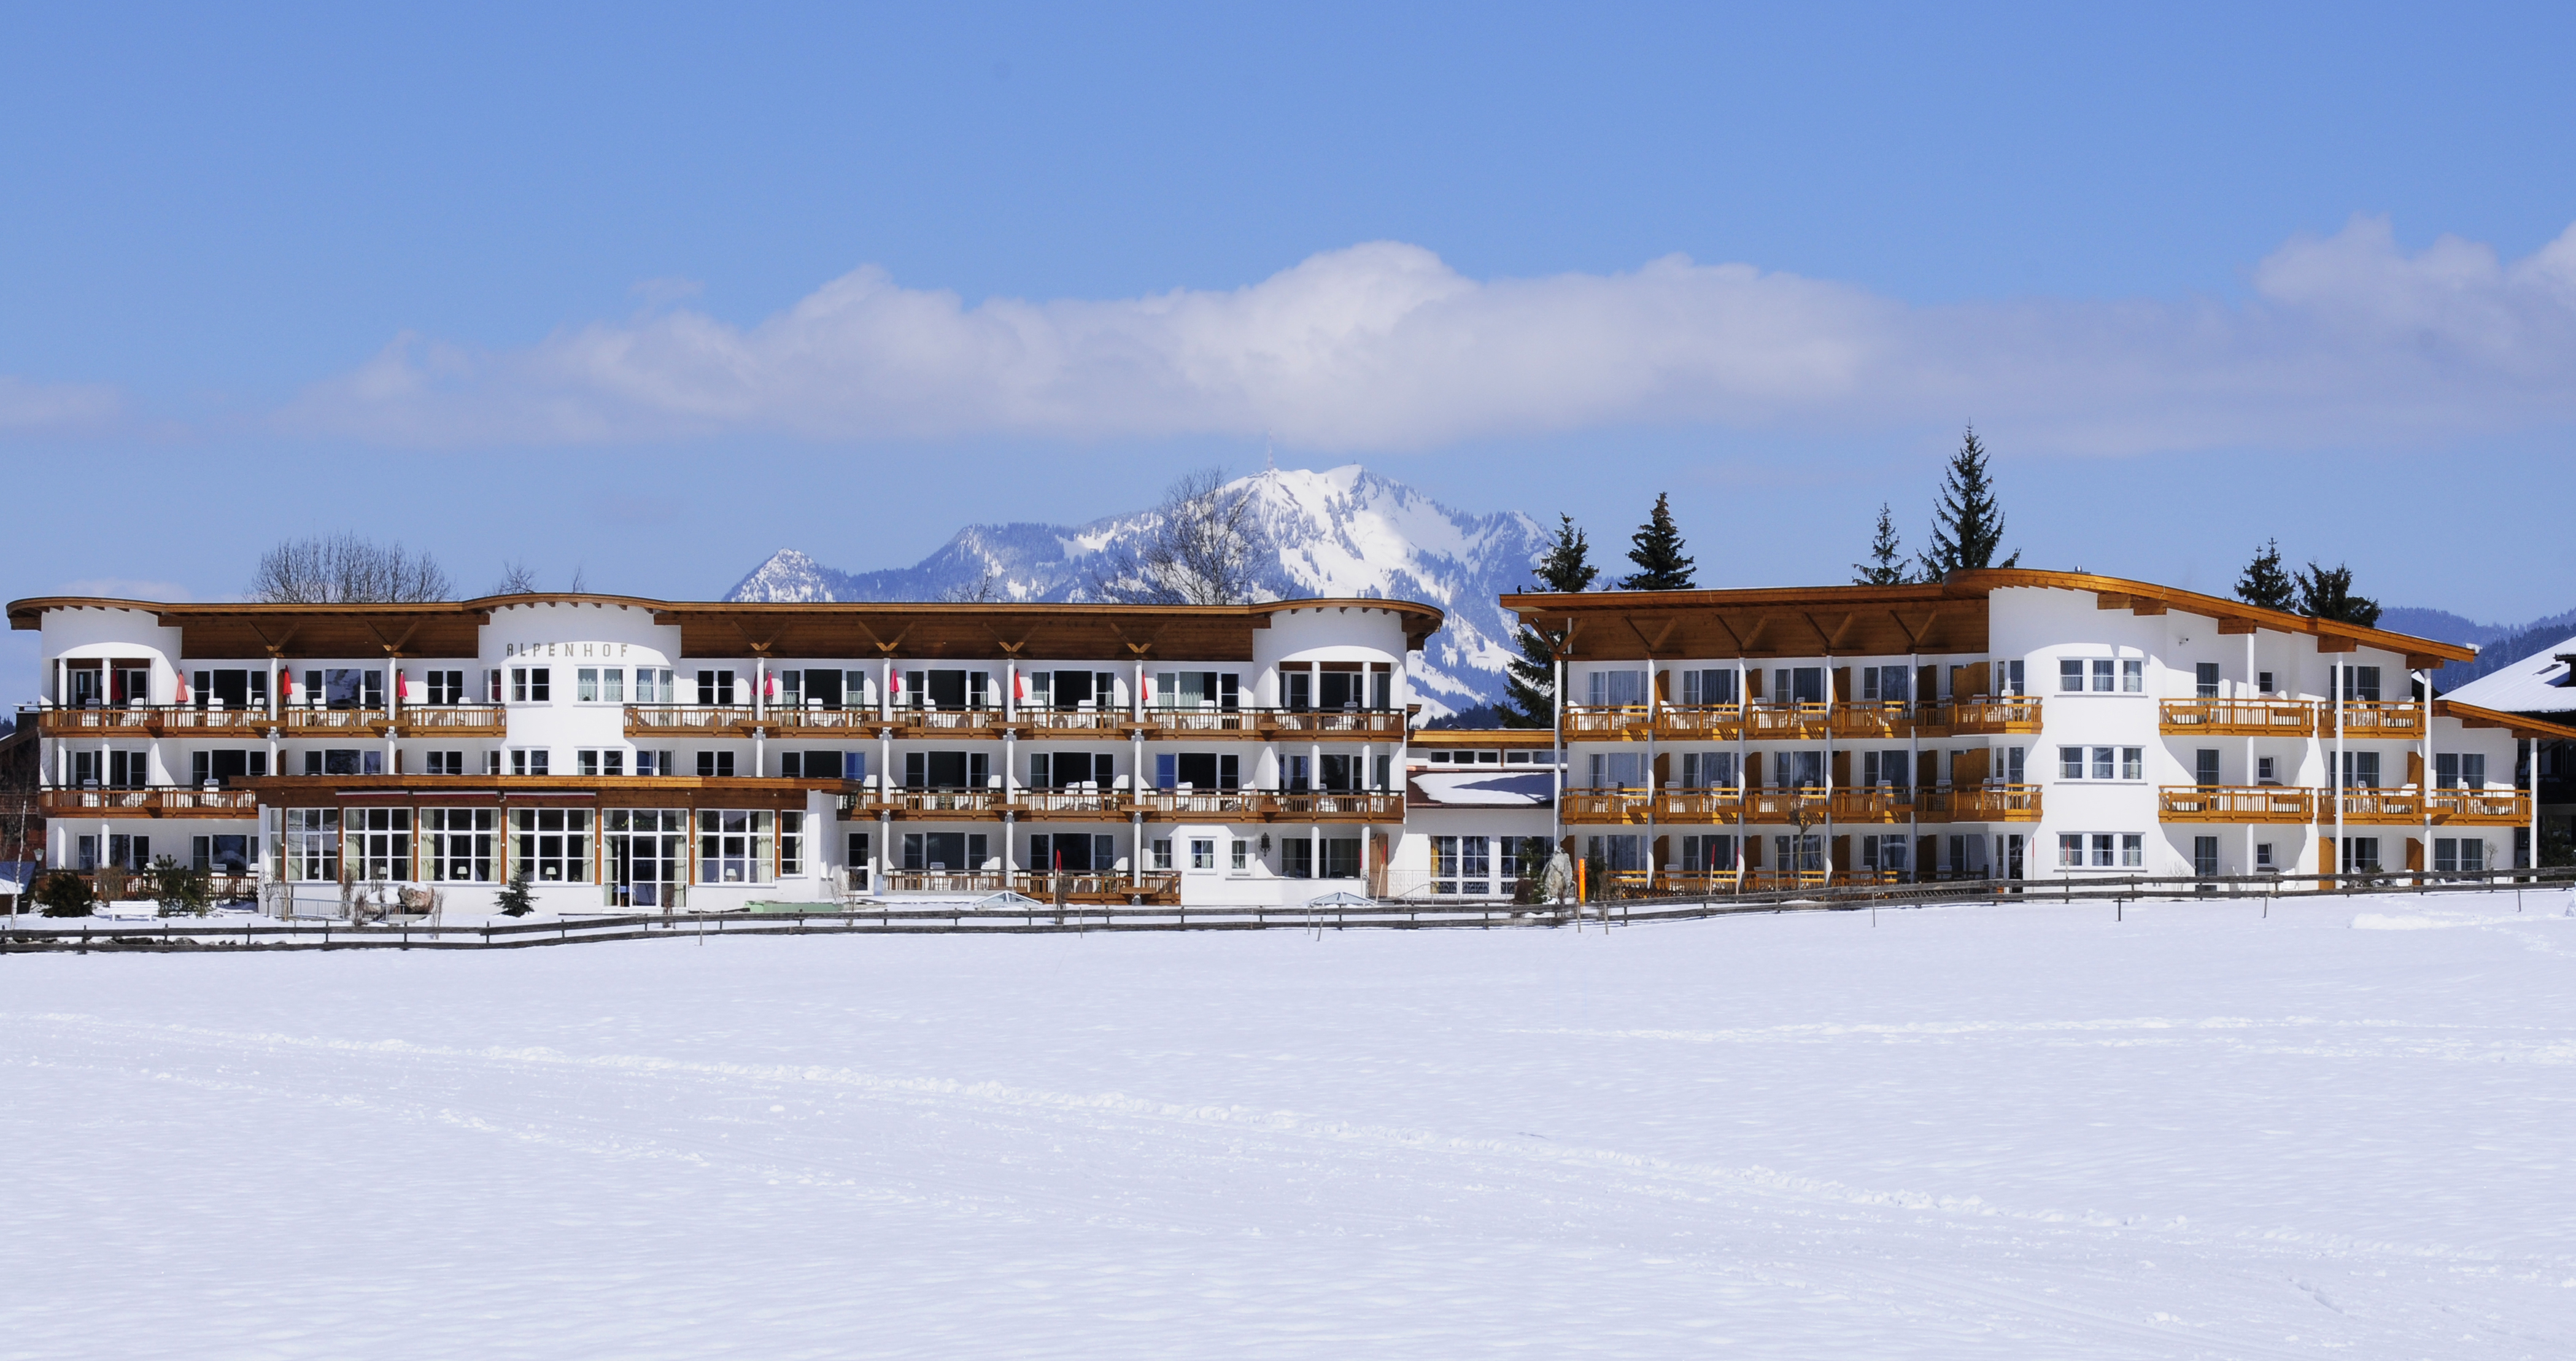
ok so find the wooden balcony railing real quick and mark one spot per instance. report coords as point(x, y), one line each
point(156, 801)
point(1072, 722)
point(1606, 720)
point(1218, 724)
point(1336, 725)
point(2236, 803)
point(298, 720)
point(1785, 803)
point(688, 720)
point(813, 720)
point(2375, 806)
point(938, 802)
point(1983, 803)
point(2368, 718)
point(1162, 889)
point(968, 723)
point(151, 720)
point(1165, 804)
point(1604, 805)
point(1698, 805)
point(452, 720)
point(1771, 722)
point(1090, 804)
point(1873, 718)
point(2480, 807)
point(1379, 807)
point(1874, 803)
point(1708, 722)
point(1982, 717)
point(2238, 718)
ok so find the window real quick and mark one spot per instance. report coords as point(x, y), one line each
point(2010, 674)
point(2133, 677)
point(2070, 676)
point(734, 845)
point(445, 687)
point(2263, 856)
point(1618, 770)
point(344, 688)
point(1208, 690)
point(654, 763)
point(552, 845)
point(1202, 770)
point(1700, 854)
point(1070, 770)
point(459, 844)
point(130, 853)
point(1073, 853)
point(2459, 856)
point(491, 763)
point(1202, 853)
point(379, 843)
point(1459, 865)
point(715, 765)
point(344, 761)
point(1887, 854)
point(585, 685)
point(947, 770)
point(2205, 680)
point(2263, 682)
point(2361, 855)
point(1242, 856)
point(1615, 688)
point(445, 762)
point(715, 687)
point(1879, 769)
point(1162, 858)
point(2361, 770)
point(1708, 687)
point(2267, 770)
point(600, 762)
point(791, 844)
point(2102, 852)
point(530, 760)
point(2204, 856)
point(2133, 763)
point(2102, 766)
point(1297, 858)
point(223, 854)
point(2459, 770)
point(532, 684)
point(312, 844)
point(1798, 685)
point(2070, 763)
point(1708, 770)
point(653, 686)
point(2103, 669)
point(2361, 683)
point(129, 769)
point(2205, 767)
point(1341, 857)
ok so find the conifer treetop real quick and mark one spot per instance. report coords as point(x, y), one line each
point(1658, 553)
point(1967, 522)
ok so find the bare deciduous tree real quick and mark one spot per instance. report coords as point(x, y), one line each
point(984, 590)
point(344, 568)
point(1201, 546)
point(517, 578)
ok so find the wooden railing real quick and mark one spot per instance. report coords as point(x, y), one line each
point(931, 802)
point(1606, 720)
point(813, 719)
point(1698, 805)
point(1715, 722)
point(1208, 723)
point(1984, 716)
point(2480, 807)
point(1070, 803)
point(1604, 805)
point(297, 719)
point(2235, 803)
point(1874, 803)
point(1382, 807)
point(1207, 803)
point(156, 801)
point(1345, 724)
point(984, 722)
point(431, 720)
point(1766, 722)
point(1095, 887)
point(2375, 806)
point(2238, 717)
point(2368, 718)
point(710, 720)
point(1785, 803)
point(1983, 803)
point(1075, 722)
point(1873, 718)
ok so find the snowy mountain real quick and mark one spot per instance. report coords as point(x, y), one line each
point(1340, 532)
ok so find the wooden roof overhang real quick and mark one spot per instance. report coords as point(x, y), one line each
point(2520, 725)
point(916, 630)
point(1945, 616)
point(1814, 621)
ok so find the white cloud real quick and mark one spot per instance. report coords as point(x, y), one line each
point(1384, 346)
point(54, 408)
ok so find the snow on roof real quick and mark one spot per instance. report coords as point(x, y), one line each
point(1482, 788)
point(2537, 684)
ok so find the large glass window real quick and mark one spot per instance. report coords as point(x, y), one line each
point(552, 845)
point(648, 854)
point(311, 845)
point(459, 844)
point(379, 843)
point(734, 845)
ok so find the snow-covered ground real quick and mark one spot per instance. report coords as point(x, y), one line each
point(2022, 1131)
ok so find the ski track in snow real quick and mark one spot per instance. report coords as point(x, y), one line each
point(1997, 1132)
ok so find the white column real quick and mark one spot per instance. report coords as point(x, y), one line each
point(2335, 772)
point(759, 692)
point(1556, 780)
point(885, 693)
point(1913, 768)
point(1832, 697)
point(1010, 689)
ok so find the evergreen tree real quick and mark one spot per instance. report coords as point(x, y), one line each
point(1529, 680)
point(1658, 554)
point(516, 899)
point(1968, 523)
point(2265, 584)
point(1886, 566)
point(2326, 593)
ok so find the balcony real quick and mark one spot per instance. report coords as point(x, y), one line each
point(813, 720)
point(2236, 804)
point(1211, 724)
point(153, 801)
point(2238, 718)
point(1784, 722)
point(297, 721)
point(1335, 725)
point(1162, 889)
point(1697, 805)
point(688, 720)
point(1984, 717)
point(1090, 805)
point(2381, 806)
point(1874, 803)
point(1702, 722)
point(2480, 807)
point(452, 720)
point(151, 720)
point(1982, 803)
point(1600, 806)
point(1335, 807)
point(1621, 722)
point(937, 803)
point(1041, 722)
point(2377, 719)
point(1873, 719)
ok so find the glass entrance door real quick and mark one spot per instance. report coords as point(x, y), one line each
point(648, 855)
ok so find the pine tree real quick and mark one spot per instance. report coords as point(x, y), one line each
point(2265, 584)
point(1886, 566)
point(1529, 680)
point(1968, 523)
point(1658, 554)
point(516, 899)
point(2326, 593)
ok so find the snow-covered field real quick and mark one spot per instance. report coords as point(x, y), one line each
point(2022, 1131)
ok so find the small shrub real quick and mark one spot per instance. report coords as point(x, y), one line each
point(62, 894)
point(181, 891)
point(516, 900)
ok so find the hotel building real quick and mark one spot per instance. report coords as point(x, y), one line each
point(629, 753)
point(2013, 724)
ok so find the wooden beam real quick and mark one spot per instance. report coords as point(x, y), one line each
point(2111, 600)
point(2142, 605)
point(2329, 642)
point(2238, 626)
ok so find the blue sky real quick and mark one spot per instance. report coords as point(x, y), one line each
point(652, 291)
